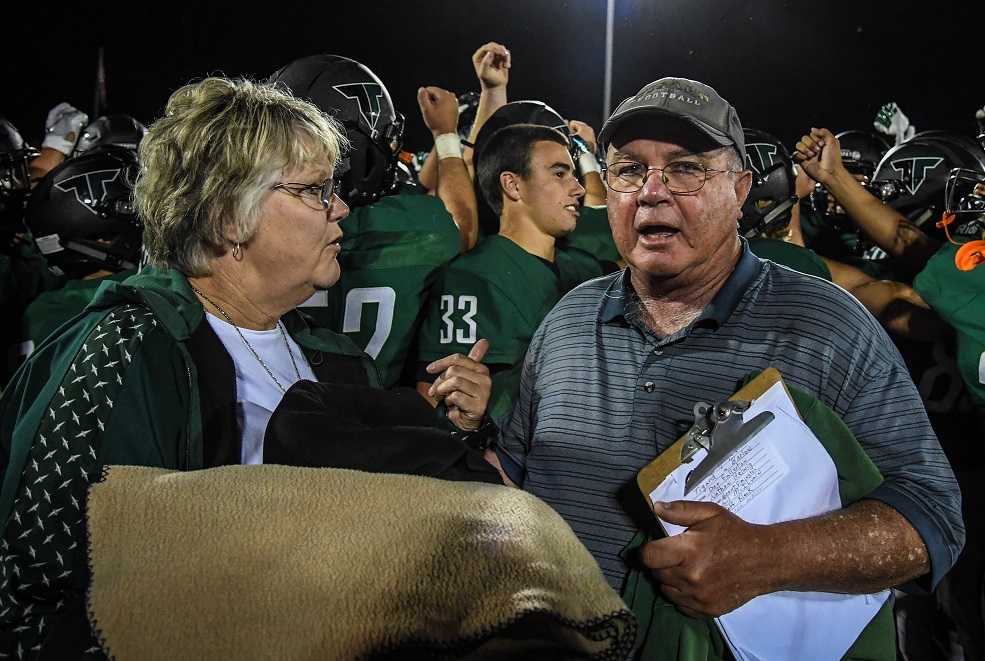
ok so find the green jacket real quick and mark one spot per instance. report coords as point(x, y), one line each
point(669, 635)
point(137, 378)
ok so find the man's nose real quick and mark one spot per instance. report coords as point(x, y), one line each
point(654, 190)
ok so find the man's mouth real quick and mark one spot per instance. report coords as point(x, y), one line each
point(573, 208)
point(657, 231)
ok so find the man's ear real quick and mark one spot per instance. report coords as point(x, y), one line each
point(509, 183)
point(743, 184)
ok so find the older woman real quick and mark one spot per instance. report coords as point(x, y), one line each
point(182, 365)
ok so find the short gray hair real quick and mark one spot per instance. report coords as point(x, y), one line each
point(208, 164)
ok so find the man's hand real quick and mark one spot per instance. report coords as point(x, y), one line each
point(464, 384)
point(62, 128)
point(803, 184)
point(819, 154)
point(492, 65)
point(583, 131)
point(712, 567)
point(439, 108)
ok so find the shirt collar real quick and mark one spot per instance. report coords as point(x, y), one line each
point(620, 291)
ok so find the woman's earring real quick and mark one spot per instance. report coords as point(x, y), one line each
point(238, 252)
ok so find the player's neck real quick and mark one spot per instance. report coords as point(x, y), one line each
point(523, 232)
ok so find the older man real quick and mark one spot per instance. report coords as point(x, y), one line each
point(612, 374)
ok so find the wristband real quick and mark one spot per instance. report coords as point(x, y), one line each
point(481, 438)
point(61, 143)
point(448, 145)
point(588, 163)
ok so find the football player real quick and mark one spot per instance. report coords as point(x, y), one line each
point(395, 237)
point(503, 288)
point(82, 220)
point(592, 234)
point(953, 281)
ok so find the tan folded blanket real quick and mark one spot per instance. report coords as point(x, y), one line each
point(275, 562)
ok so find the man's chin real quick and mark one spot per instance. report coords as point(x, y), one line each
point(655, 263)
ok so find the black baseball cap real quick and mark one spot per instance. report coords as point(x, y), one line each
point(688, 101)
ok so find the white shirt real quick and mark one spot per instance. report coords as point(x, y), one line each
point(256, 393)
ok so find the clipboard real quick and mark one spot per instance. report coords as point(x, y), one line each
point(653, 474)
point(786, 624)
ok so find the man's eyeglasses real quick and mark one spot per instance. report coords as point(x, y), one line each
point(680, 177)
point(317, 196)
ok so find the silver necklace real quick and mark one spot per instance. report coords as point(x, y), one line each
point(249, 346)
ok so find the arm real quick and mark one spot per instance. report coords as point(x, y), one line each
point(492, 63)
point(820, 156)
point(588, 165)
point(428, 176)
point(718, 563)
point(44, 163)
point(440, 111)
point(128, 377)
point(62, 128)
point(897, 306)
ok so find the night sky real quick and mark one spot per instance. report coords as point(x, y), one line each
point(785, 65)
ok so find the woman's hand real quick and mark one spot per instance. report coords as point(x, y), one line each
point(464, 385)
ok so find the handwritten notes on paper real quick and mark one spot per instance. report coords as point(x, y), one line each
point(748, 472)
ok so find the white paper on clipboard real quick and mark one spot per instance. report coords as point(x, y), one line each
point(782, 473)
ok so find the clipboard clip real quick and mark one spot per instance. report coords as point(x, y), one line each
point(719, 429)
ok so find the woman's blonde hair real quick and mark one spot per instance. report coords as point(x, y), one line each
point(207, 165)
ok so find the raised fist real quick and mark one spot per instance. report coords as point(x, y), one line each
point(63, 127)
point(439, 108)
point(492, 65)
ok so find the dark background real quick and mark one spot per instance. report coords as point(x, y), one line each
point(785, 65)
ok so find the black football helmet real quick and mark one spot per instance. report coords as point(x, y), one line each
point(964, 199)
point(861, 151)
point(354, 96)
point(15, 155)
point(119, 130)
point(964, 192)
point(518, 112)
point(82, 215)
point(767, 210)
point(912, 175)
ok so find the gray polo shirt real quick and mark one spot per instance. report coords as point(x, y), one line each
point(602, 395)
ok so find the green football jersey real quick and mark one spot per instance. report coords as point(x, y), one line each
point(959, 298)
point(790, 255)
point(53, 308)
point(391, 252)
point(24, 274)
point(500, 292)
point(593, 235)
